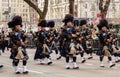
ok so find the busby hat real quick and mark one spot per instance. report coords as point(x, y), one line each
point(67, 18)
point(42, 23)
point(83, 22)
point(51, 24)
point(110, 25)
point(103, 23)
point(76, 23)
point(17, 20)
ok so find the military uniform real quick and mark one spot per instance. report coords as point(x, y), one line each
point(54, 38)
point(86, 43)
point(18, 41)
point(79, 40)
point(104, 41)
point(68, 42)
point(42, 51)
point(113, 45)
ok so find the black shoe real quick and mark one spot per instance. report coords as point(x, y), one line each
point(59, 58)
point(42, 63)
point(49, 63)
point(1, 66)
point(83, 61)
point(117, 61)
point(67, 67)
point(102, 66)
point(26, 72)
point(75, 67)
point(90, 57)
point(112, 65)
point(17, 72)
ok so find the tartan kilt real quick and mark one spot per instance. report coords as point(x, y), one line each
point(104, 51)
point(100, 52)
point(14, 54)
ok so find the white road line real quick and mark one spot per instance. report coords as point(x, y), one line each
point(34, 71)
point(38, 72)
point(88, 64)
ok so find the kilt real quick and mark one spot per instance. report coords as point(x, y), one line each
point(100, 52)
point(20, 53)
point(103, 51)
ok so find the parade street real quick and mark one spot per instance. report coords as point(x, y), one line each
point(57, 69)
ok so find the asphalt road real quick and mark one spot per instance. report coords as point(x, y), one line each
point(89, 69)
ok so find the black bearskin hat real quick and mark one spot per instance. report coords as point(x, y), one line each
point(110, 25)
point(51, 24)
point(83, 22)
point(76, 23)
point(42, 23)
point(67, 18)
point(17, 20)
point(103, 23)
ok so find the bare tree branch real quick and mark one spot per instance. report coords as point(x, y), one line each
point(106, 6)
point(33, 6)
point(104, 9)
point(45, 8)
point(43, 13)
point(101, 5)
point(71, 6)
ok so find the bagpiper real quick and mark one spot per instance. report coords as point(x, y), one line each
point(113, 44)
point(53, 35)
point(104, 43)
point(67, 41)
point(86, 43)
point(42, 51)
point(18, 44)
point(79, 40)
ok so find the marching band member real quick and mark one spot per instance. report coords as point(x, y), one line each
point(86, 35)
point(68, 41)
point(54, 35)
point(42, 51)
point(79, 40)
point(18, 42)
point(104, 42)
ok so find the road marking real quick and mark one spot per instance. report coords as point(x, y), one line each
point(88, 64)
point(33, 71)
point(28, 70)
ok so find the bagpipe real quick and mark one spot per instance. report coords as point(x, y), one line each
point(45, 49)
point(43, 42)
point(88, 43)
point(17, 38)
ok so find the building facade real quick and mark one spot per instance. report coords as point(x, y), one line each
point(10, 8)
point(56, 8)
point(83, 8)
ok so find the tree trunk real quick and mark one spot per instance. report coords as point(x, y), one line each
point(71, 6)
point(104, 9)
point(42, 14)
